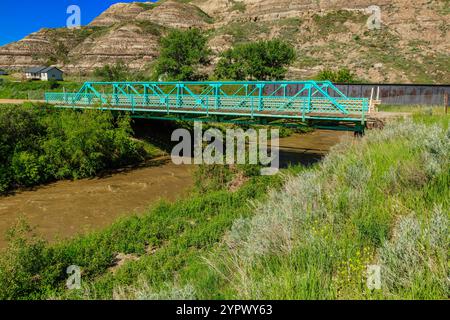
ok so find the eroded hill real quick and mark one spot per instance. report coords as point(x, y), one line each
point(413, 44)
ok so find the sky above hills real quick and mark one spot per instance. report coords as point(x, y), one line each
point(18, 18)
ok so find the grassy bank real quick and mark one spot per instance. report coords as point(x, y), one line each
point(38, 145)
point(34, 90)
point(309, 234)
point(168, 240)
point(383, 201)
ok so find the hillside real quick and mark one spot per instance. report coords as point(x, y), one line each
point(412, 46)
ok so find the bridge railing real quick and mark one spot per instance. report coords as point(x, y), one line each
point(292, 99)
point(253, 104)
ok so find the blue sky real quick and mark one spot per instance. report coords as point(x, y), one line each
point(19, 18)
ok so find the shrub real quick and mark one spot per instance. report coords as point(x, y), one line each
point(417, 251)
point(340, 76)
point(41, 145)
point(182, 53)
point(21, 264)
point(263, 60)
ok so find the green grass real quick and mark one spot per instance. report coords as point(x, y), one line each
point(238, 6)
point(383, 200)
point(34, 90)
point(168, 239)
point(334, 21)
point(315, 239)
point(244, 32)
point(147, 6)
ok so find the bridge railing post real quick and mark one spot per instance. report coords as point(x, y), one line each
point(260, 96)
point(217, 95)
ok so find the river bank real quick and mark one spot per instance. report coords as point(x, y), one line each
point(64, 209)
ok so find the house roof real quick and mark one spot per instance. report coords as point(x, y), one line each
point(35, 69)
point(50, 68)
point(40, 69)
point(2, 73)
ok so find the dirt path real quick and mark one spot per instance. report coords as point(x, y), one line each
point(17, 101)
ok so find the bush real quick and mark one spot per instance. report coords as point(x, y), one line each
point(263, 60)
point(113, 72)
point(41, 145)
point(340, 76)
point(182, 53)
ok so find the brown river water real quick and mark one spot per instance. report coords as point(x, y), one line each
point(66, 208)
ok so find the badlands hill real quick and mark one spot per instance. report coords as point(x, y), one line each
point(413, 44)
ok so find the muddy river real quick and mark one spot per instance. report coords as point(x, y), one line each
point(66, 208)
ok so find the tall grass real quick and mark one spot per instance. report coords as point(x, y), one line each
point(34, 90)
point(310, 234)
point(361, 206)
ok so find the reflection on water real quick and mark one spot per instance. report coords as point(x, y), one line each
point(65, 208)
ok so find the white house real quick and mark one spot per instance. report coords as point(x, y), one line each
point(44, 73)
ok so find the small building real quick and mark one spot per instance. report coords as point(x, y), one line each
point(3, 73)
point(44, 73)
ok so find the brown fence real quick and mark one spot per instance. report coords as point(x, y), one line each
point(401, 94)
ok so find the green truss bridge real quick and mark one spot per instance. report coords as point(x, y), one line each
point(281, 103)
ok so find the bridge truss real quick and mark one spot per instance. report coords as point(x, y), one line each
point(284, 103)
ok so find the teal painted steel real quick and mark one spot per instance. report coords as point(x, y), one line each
point(289, 100)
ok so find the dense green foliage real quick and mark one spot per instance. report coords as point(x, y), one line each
point(340, 76)
point(38, 145)
point(182, 54)
point(263, 60)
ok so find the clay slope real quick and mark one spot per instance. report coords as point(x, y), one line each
point(412, 46)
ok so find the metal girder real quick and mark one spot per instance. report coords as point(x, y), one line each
point(289, 100)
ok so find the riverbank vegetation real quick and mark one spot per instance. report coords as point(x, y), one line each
point(38, 145)
point(309, 233)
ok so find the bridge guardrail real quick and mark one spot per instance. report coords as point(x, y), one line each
point(310, 99)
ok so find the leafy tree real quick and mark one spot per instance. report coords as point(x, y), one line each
point(182, 53)
point(114, 72)
point(341, 76)
point(39, 145)
point(263, 60)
